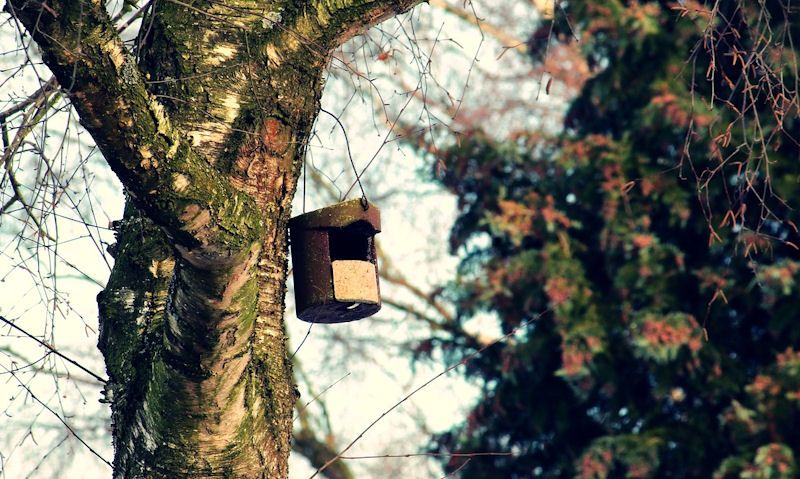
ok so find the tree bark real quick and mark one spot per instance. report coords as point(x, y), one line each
point(206, 128)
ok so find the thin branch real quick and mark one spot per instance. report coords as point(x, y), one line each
point(397, 278)
point(465, 360)
point(50, 371)
point(508, 41)
point(431, 454)
point(54, 350)
point(29, 120)
point(58, 416)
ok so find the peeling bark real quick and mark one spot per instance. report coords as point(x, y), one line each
point(207, 133)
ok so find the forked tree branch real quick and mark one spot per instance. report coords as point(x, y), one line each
point(166, 178)
point(340, 20)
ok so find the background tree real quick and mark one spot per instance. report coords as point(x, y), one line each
point(647, 256)
point(205, 123)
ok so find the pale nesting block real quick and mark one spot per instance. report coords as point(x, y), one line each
point(355, 281)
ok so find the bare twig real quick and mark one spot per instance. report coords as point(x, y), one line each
point(54, 350)
point(465, 360)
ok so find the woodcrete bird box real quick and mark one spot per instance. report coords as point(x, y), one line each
point(335, 264)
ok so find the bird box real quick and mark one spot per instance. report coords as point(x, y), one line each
point(335, 263)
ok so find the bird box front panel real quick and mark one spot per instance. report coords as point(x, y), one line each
point(355, 281)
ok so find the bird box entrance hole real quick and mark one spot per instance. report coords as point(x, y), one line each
point(347, 244)
point(335, 262)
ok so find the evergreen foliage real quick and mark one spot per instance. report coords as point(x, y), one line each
point(656, 235)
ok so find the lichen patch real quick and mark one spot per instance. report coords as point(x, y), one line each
point(222, 52)
point(209, 136)
point(127, 297)
point(160, 116)
point(180, 182)
point(173, 149)
point(115, 53)
point(125, 120)
point(232, 105)
point(147, 160)
point(162, 269)
point(273, 57)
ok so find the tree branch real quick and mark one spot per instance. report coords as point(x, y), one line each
point(500, 34)
point(326, 24)
point(318, 452)
point(342, 20)
point(177, 187)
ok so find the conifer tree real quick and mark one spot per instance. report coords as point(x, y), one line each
point(648, 255)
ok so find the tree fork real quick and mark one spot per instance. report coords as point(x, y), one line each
point(207, 134)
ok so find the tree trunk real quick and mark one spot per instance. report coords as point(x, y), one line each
point(206, 129)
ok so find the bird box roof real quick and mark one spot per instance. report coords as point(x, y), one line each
point(340, 215)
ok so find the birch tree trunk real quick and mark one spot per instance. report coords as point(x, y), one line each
point(206, 128)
